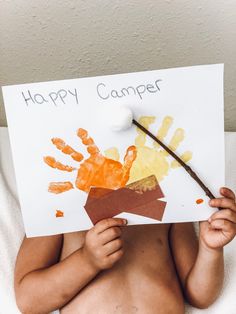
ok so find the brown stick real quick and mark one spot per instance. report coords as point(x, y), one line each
point(186, 167)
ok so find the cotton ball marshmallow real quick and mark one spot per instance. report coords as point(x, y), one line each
point(120, 118)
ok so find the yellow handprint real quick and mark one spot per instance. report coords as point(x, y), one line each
point(154, 160)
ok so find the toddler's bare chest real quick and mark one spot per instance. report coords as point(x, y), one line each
point(140, 241)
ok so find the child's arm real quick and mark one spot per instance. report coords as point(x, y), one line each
point(42, 284)
point(201, 266)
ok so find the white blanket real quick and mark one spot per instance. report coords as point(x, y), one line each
point(12, 232)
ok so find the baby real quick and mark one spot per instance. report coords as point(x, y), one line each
point(115, 268)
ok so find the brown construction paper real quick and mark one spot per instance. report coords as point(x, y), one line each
point(140, 198)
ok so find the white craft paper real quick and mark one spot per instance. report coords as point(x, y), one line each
point(38, 112)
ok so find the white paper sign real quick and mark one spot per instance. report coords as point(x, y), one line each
point(72, 170)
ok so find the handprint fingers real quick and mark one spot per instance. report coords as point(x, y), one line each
point(88, 141)
point(66, 149)
point(130, 156)
point(186, 156)
point(141, 138)
point(53, 163)
point(60, 187)
point(163, 130)
point(176, 139)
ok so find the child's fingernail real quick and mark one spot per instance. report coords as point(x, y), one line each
point(209, 220)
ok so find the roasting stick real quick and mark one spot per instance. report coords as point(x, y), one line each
point(123, 119)
point(186, 167)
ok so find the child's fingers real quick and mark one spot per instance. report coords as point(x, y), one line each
point(227, 193)
point(110, 234)
point(224, 225)
point(223, 203)
point(104, 224)
point(116, 255)
point(226, 214)
point(113, 246)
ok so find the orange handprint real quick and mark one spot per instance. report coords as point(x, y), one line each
point(97, 170)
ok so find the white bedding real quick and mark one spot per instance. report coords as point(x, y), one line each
point(12, 232)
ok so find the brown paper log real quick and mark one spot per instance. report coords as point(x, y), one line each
point(154, 209)
point(139, 198)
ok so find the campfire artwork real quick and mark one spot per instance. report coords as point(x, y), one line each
point(104, 178)
point(72, 170)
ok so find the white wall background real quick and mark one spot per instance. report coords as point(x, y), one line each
point(50, 40)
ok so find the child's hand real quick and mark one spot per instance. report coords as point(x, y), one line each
point(220, 228)
point(103, 243)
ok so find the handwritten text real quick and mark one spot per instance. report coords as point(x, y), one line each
point(60, 97)
point(104, 93)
